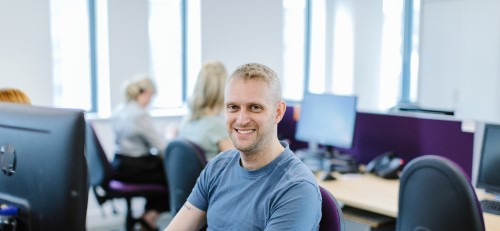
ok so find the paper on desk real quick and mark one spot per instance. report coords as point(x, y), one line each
point(348, 176)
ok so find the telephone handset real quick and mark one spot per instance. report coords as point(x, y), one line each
point(386, 165)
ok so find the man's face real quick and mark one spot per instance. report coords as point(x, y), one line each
point(251, 114)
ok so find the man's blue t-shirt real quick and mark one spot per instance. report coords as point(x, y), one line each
point(282, 195)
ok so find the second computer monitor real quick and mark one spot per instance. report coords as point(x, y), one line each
point(488, 177)
point(327, 119)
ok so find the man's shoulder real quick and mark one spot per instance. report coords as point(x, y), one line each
point(296, 179)
point(294, 170)
point(223, 159)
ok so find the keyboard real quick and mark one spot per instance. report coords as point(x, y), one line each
point(490, 206)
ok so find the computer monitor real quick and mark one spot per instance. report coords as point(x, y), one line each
point(327, 119)
point(44, 172)
point(488, 175)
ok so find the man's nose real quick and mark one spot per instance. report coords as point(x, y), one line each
point(243, 117)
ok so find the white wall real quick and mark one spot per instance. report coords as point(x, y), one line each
point(128, 43)
point(460, 56)
point(241, 31)
point(25, 48)
point(368, 20)
point(479, 89)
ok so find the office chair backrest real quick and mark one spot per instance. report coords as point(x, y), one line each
point(435, 194)
point(184, 162)
point(98, 164)
point(332, 218)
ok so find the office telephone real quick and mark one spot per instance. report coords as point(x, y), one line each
point(386, 165)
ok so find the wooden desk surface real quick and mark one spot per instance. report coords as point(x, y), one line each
point(378, 195)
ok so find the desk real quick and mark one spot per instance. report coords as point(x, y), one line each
point(378, 195)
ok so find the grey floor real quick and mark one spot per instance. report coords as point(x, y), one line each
point(102, 218)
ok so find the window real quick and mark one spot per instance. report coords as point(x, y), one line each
point(80, 37)
point(71, 63)
point(342, 77)
point(100, 58)
point(317, 63)
point(349, 48)
point(391, 55)
point(174, 28)
point(294, 21)
point(193, 42)
point(414, 24)
point(320, 43)
point(165, 27)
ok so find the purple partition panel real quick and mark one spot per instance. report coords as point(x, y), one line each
point(287, 128)
point(409, 136)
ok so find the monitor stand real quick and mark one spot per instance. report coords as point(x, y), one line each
point(327, 176)
point(340, 162)
point(312, 156)
point(327, 167)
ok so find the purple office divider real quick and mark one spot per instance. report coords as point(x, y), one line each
point(412, 136)
point(287, 128)
point(407, 134)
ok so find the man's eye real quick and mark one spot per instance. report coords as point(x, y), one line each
point(231, 108)
point(256, 108)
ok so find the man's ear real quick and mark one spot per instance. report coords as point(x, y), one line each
point(280, 111)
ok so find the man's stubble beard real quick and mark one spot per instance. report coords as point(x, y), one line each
point(257, 146)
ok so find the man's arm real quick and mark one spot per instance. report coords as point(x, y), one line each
point(188, 218)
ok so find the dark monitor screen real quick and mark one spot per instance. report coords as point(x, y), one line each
point(327, 119)
point(488, 176)
point(44, 172)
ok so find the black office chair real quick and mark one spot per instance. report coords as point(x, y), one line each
point(104, 187)
point(435, 194)
point(332, 218)
point(183, 163)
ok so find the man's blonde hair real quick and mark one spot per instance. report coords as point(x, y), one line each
point(259, 71)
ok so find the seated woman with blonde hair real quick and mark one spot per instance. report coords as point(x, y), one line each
point(14, 95)
point(135, 137)
point(205, 125)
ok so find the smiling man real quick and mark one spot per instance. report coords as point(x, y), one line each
point(259, 185)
